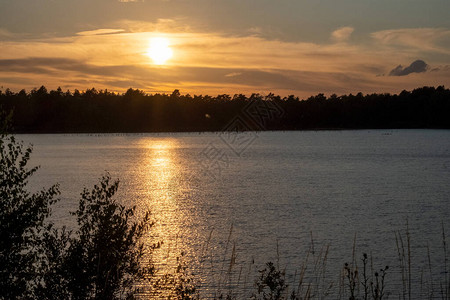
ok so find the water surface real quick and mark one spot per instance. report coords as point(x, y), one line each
point(274, 190)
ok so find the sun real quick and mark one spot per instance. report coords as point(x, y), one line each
point(159, 50)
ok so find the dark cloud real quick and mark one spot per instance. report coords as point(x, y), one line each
point(79, 74)
point(419, 66)
point(37, 64)
point(114, 74)
point(23, 82)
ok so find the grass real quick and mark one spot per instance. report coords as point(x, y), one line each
point(360, 276)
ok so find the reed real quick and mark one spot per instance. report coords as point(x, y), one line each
point(445, 290)
point(360, 278)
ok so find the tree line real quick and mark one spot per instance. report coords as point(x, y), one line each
point(56, 111)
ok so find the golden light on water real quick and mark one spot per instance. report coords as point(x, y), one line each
point(161, 180)
point(159, 50)
point(161, 177)
point(158, 174)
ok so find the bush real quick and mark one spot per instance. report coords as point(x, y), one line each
point(271, 283)
point(22, 221)
point(101, 260)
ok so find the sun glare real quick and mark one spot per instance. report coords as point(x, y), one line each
point(159, 50)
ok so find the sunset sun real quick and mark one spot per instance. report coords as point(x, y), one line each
point(159, 50)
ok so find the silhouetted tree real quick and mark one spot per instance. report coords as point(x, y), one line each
point(136, 111)
point(22, 221)
point(104, 257)
point(101, 260)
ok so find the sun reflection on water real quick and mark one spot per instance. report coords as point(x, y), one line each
point(161, 176)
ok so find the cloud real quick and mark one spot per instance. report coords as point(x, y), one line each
point(37, 65)
point(233, 74)
point(209, 62)
point(5, 35)
point(75, 73)
point(174, 25)
point(419, 66)
point(4, 32)
point(256, 30)
point(100, 32)
point(424, 39)
point(247, 79)
point(342, 34)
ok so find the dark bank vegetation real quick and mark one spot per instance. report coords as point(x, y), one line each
point(100, 260)
point(103, 257)
point(360, 276)
point(43, 111)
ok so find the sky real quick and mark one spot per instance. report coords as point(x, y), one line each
point(300, 47)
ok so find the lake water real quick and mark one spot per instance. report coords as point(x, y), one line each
point(276, 192)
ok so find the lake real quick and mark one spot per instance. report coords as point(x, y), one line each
point(272, 196)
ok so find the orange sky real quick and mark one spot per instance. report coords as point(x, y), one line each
point(209, 59)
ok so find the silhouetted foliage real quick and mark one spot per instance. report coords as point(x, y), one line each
point(22, 221)
point(178, 285)
point(135, 111)
point(271, 283)
point(101, 260)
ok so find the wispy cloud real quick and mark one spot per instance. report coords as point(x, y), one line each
point(6, 35)
point(188, 78)
point(170, 25)
point(4, 32)
point(424, 39)
point(100, 32)
point(342, 34)
point(234, 74)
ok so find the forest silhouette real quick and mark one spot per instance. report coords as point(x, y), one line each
point(56, 111)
